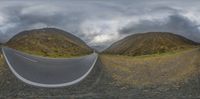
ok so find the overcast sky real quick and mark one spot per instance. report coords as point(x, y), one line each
point(101, 22)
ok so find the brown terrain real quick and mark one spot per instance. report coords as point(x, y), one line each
point(150, 43)
point(1, 57)
point(172, 74)
point(155, 60)
point(49, 42)
point(168, 68)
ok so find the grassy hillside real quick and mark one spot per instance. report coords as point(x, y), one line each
point(1, 59)
point(150, 43)
point(157, 69)
point(1, 56)
point(1, 62)
point(49, 42)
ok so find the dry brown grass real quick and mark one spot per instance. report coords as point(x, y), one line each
point(1, 59)
point(150, 43)
point(152, 69)
point(1, 64)
point(49, 43)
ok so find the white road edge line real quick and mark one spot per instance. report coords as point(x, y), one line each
point(26, 57)
point(48, 85)
point(43, 57)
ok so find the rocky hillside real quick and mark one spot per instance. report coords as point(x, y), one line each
point(150, 43)
point(49, 42)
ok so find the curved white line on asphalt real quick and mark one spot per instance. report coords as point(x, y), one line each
point(48, 85)
point(26, 58)
point(50, 58)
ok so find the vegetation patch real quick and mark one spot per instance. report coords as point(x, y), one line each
point(49, 42)
point(158, 69)
point(1, 59)
point(150, 43)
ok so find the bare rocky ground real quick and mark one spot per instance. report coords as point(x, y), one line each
point(98, 85)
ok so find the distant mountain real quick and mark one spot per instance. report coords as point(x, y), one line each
point(50, 42)
point(150, 43)
point(98, 48)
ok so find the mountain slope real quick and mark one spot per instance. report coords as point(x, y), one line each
point(1, 56)
point(49, 42)
point(150, 43)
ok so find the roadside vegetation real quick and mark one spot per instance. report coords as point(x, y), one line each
point(155, 69)
point(1, 58)
point(2, 69)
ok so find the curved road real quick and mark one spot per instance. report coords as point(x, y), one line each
point(48, 72)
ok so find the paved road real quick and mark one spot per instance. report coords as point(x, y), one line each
point(48, 72)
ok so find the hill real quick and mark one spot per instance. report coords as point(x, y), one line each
point(1, 56)
point(150, 43)
point(49, 42)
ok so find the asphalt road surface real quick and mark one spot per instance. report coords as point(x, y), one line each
point(48, 72)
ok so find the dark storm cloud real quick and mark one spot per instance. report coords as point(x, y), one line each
point(21, 21)
point(99, 23)
point(175, 23)
point(64, 15)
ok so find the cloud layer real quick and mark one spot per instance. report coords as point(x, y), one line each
point(100, 23)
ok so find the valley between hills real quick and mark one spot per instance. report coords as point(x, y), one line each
point(147, 65)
